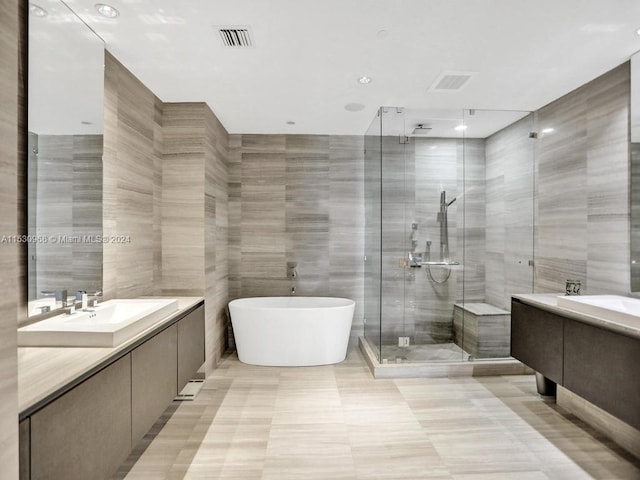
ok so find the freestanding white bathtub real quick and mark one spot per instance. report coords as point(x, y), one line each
point(291, 331)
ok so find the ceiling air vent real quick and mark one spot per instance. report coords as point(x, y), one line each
point(238, 37)
point(451, 81)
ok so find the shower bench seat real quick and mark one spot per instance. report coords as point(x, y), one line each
point(482, 330)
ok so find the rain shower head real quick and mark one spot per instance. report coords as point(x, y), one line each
point(421, 129)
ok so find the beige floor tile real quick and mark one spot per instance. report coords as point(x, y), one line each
point(337, 422)
point(309, 467)
point(321, 440)
point(535, 475)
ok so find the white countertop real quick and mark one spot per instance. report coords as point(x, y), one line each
point(44, 370)
point(549, 302)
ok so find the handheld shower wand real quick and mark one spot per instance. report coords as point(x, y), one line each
point(444, 227)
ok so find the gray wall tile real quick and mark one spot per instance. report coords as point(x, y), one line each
point(296, 198)
point(130, 207)
point(509, 213)
point(11, 104)
point(195, 216)
point(165, 183)
point(582, 188)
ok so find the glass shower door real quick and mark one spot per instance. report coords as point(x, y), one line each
point(449, 231)
point(373, 234)
point(397, 326)
point(498, 228)
point(434, 212)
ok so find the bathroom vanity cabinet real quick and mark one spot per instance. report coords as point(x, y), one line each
point(87, 431)
point(598, 363)
point(154, 380)
point(537, 339)
point(87, 428)
point(190, 346)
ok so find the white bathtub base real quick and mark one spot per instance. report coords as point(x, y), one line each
point(291, 331)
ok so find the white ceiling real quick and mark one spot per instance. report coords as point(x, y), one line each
point(308, 54)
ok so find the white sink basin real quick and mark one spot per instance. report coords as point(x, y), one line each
point(616, 308)
point(107, 325)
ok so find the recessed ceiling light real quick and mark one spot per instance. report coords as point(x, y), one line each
point(107, 10)
point(291, 122)
point(460, 128)
point(638, 31)
point(547, 130)
point(354, 107)
point(37, 11)
point(364, 80)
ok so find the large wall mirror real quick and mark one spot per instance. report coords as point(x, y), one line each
point(635, 172)
point(65, 127)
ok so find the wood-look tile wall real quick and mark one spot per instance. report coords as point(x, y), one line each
point(10, 122)
point(472, 221)
point(216, 141)
point(297, 198)
point(509, 212)
point(194, 214)
point(182, 207)
point(131, 184)
point(582, 188)
point(165, 185)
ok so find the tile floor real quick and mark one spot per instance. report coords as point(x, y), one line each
point(337, 422)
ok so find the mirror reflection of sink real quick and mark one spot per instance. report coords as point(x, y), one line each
point(609, 307)
point(106, 325)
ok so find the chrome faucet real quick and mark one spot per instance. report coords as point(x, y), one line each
point(92, 298)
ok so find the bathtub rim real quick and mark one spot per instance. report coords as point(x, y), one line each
point(259, 303)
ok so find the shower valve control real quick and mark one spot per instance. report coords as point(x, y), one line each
point(403, 341)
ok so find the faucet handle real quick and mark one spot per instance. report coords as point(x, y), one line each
point(93, 298)
point(291, 269)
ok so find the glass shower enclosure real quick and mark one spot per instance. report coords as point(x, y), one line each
point(449, 210)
